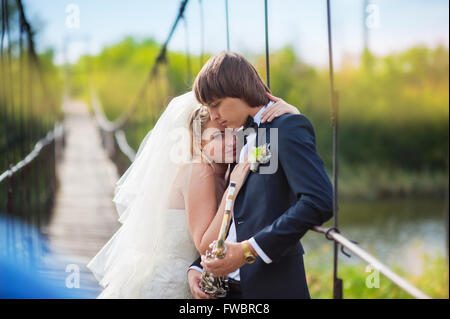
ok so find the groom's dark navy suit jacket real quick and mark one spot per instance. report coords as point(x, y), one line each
point(277, 209)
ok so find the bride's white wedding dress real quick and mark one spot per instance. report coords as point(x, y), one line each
point(170, 279)
point(149, 256)
point(168, 276)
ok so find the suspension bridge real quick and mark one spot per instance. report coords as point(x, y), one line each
point(60, 170)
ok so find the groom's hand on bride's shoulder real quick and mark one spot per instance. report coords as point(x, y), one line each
point(277, 109)
point(194, 277)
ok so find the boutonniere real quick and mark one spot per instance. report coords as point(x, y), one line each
point(259, 155)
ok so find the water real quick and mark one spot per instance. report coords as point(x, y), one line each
point(396, 231)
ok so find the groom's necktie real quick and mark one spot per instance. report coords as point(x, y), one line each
point(249, 123)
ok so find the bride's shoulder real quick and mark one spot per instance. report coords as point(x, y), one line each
point(195, 177)
point(196, 173)
point(197, 170)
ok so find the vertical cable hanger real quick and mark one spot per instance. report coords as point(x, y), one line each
point(337, 282)
point(25, 198)
point(7, 92)
point(202, 33)
point(227, 25)
point(188, 57)
point(3, 77)
point(34, 69)
point(266, 24)
point(22, 109)
point(365, 28)
point(22, 190)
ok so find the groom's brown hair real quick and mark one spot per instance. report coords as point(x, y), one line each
point(230, 75)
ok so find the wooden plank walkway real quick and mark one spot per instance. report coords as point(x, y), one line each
point(84, 216)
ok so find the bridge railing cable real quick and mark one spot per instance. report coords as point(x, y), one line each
point(112, 131)
point(333, 234)
point(33, 136)
point(26, 27)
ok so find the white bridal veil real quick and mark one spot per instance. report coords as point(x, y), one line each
point(141, 197)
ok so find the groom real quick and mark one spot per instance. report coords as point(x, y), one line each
point(272, 211)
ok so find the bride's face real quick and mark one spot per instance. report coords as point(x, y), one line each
point(218, 144)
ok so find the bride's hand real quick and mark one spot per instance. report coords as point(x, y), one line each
point(194, 277)
point(277, 109)
point(238, 174)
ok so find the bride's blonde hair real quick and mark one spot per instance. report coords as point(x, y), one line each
point(197, 122)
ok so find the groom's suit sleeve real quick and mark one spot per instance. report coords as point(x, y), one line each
point(307, 178)
point(196, 265)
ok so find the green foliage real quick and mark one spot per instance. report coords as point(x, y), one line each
point(432, 280)
point(393, 110)
point(117, 75)
point(29, 95)
point(393, 113)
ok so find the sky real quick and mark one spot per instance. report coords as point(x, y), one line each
point(393, 25)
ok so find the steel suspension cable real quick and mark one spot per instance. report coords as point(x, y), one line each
point(227, 25)
point(34, 57)
point(337, 287)
point(3, 77)
point(266, 25)
point(161, 58)
point(188, 56)
point(11, 83)
point(202, 33)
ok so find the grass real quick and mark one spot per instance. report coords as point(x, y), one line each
point(432, 280)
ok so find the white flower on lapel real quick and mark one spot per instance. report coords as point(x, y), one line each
point(259, 155)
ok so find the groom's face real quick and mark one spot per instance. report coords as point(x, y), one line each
point(229, 112)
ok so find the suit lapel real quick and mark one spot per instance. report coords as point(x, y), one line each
point(264, 140)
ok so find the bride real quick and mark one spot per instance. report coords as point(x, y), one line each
point(168, 201)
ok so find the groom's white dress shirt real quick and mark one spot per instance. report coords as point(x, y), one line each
point(251, 142)
point(249, 146)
